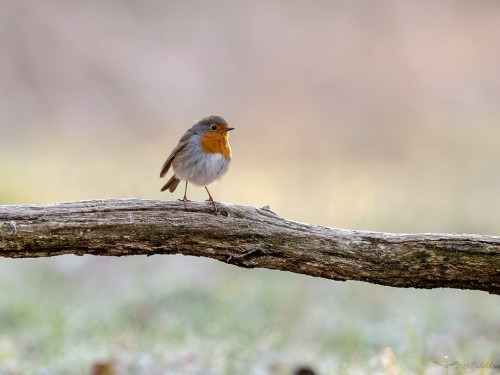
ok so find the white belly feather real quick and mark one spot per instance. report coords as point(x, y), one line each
point(204, 170)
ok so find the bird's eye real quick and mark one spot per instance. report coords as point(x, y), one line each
point(213, 127)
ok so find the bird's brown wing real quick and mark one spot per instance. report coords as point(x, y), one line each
point(182, 143)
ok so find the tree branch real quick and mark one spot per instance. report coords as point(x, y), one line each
point(250, 237)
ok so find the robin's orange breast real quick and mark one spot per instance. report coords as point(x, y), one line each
point(216, 143)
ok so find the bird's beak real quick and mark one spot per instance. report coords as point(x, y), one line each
point(229, 129)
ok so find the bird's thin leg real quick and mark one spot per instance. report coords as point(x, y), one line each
point(184, 200)
point(185, 192)
point(211, 199)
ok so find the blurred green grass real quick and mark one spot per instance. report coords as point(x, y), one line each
point(189, 316)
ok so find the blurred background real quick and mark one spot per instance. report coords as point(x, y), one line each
point(355, 114)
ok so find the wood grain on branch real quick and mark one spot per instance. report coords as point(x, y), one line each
point(250, 237)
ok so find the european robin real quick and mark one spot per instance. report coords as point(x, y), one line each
point(202, 156)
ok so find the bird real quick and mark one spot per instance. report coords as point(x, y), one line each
point(202, 156)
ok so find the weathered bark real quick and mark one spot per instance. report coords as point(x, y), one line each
point(250, 237)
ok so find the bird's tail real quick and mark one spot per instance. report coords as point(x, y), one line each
point(171, 184)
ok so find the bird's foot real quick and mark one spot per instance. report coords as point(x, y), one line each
point(185, 200)
point(214, 203)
